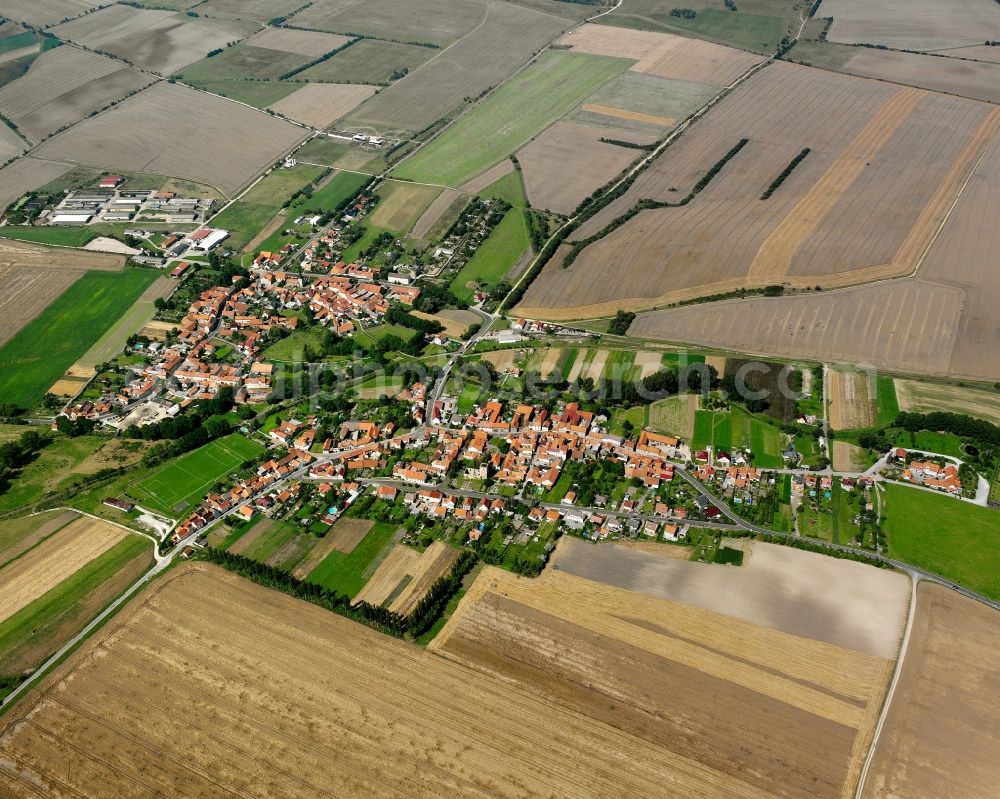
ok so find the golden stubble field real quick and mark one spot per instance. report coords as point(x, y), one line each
point(733, 707)
point(210, 685)
point(942, 731)
point(402, 579)
point(25, 579)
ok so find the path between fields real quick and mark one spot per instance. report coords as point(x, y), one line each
point(904, 645)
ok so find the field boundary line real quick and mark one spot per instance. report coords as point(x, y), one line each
point(903, 647)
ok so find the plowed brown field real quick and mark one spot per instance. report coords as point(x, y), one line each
point(210, 685)
point(777, 714)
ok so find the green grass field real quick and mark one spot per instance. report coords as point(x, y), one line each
point(243, 62)
point(886, 403)
point(57, 459)
point(495, 256)
point(518, 110)
point(291, 348)
point(44, 348)
point(509, 188)
point(930, 441)
point(354, 251)
point(711, 428)
point(955, 539)
point(38, 629)
point(345, 572)
point(737, 429)
point(339, 188)
point(181, 483)
point(244, 219)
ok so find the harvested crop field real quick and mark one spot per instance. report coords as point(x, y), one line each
point(33, 276)
point(17, 536)
point(26, 174)
point(736, 709)
point(335, 703)
point(942, 323)
point(63, 86)
point(159, 41)
point(48, 564)
point(369, 61)
point(260, 11)
point(648, 362)
point(445, 208)
point(891, 150)
point(976, 79)
point(455, 321)
point(664, 54)
point(40, 13)
point(508, 37)
point(308, 43)
point(903, 325)
point(861, 607)
point(567, 162)
point(911, 24)
point(322, 104)
point(943, 726)
point(852, 403)
point(159, 137)
point(848, 457)
point(401, 205)
point(405, 576)
point(914, 395)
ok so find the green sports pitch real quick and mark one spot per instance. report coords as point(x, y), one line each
point(181, 483)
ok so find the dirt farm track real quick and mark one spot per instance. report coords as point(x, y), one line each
point(208, 685)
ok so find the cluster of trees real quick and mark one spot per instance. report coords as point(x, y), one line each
point(431, 607)
point(434, 297)
point(620, 324)
point(423, 617)
point(980, 430)
point(203, 423)
point(685, 13)
point(15, 455)
point(273, 577)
